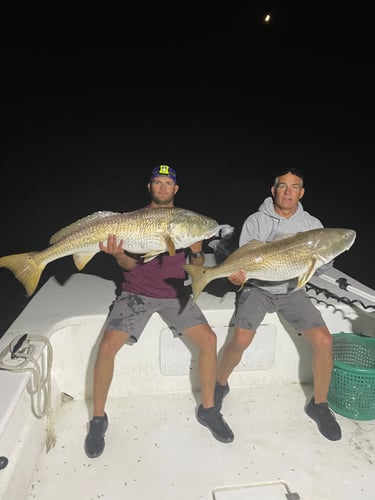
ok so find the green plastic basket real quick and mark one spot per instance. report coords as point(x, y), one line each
point(352, 388)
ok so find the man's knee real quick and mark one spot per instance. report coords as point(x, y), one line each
point(242, 338)
point(112, 342)
point(320, 338)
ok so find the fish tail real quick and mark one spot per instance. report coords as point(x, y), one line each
point(199, 279)
point(25, 269)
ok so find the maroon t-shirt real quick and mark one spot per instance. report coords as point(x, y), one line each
point(162, 277)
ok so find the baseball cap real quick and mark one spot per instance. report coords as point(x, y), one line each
point(162, 170)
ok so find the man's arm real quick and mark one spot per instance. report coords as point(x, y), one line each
point(249, 232)
point(196, 255)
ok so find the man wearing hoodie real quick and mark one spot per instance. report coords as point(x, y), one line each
point(280, 216)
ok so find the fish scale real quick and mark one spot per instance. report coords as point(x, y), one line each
point(147, 232)
point(299, 255)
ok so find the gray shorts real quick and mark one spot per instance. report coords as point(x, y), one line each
point(130, 314)
point(296, 307)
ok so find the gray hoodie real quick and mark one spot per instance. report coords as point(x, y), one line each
point(266, 225)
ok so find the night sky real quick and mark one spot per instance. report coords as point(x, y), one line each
point(93, 100)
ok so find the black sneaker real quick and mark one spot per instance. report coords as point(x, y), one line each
point(94, 442)
point(220, 392)
point(325, 419)
point(214, 420)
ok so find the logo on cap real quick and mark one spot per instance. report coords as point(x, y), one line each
point(164, 170)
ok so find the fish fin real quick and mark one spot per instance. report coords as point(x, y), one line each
point(199, 278)
point(304, 278)
point(25, 268)
point(170, 246)
point(81, 259)
point(78, 224)
point(155, 253)
point(149, 256)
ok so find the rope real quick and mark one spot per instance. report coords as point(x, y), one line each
point(22, 350)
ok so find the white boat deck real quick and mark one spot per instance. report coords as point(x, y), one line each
point(155, 448)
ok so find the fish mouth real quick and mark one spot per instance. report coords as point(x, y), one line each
point(212, 231)
point(211, 234)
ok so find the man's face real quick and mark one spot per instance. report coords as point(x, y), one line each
point(288, 191)
point(162, 190)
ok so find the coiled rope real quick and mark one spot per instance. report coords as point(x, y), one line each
point(22, 349)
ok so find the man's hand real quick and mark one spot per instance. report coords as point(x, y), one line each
point(112, 248)
point(238, 278)
point(117, 251)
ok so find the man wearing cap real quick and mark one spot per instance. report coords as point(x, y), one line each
point(148, 287)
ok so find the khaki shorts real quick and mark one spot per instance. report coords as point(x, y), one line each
point(130, 314)
point(296, 307)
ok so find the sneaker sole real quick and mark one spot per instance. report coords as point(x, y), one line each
point(96, 455)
